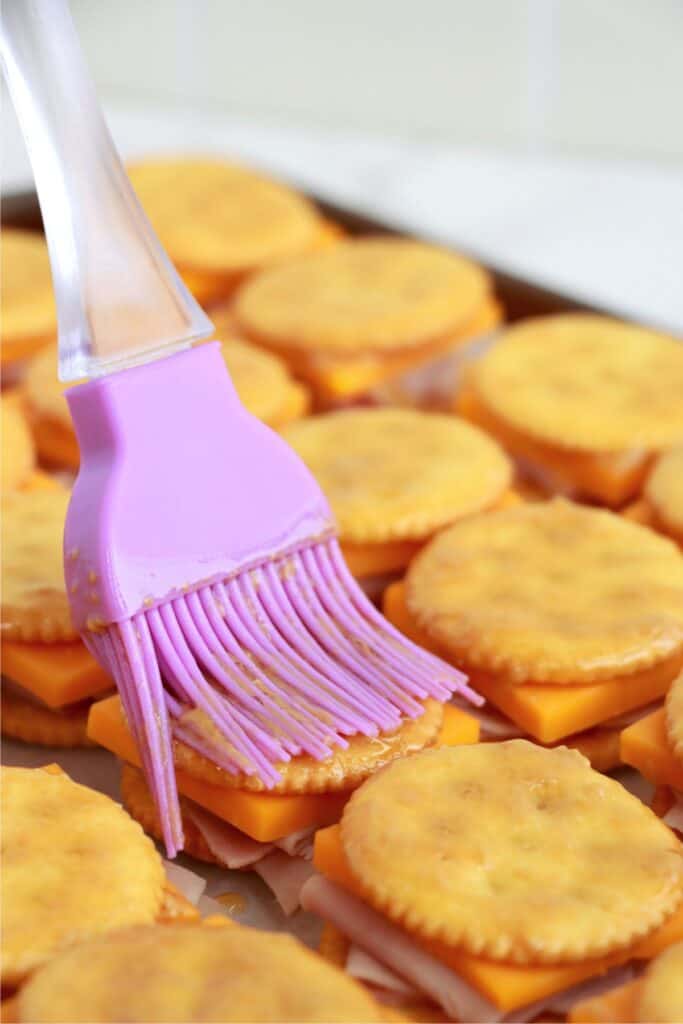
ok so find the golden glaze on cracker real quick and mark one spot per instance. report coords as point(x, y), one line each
point(552, 593)
point(371, 294)
point(512, 852)
point(399, 474)
point(74, 865)
point(194, 973)
point(587, 383)
point(346, 769)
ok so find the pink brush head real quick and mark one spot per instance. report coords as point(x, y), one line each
point(203, 571)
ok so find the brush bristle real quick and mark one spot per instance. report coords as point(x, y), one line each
point(284, 659)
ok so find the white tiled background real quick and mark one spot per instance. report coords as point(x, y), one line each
point(544, 134)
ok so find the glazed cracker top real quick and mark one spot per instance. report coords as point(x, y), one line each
point(513, 852)
point(586, 383)
point(397, 474)
point(363, 295)
point(344, 770)
point(552, 592)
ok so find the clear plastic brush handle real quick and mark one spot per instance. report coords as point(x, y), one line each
point(119, 298)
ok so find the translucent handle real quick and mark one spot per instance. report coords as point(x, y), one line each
point(119, 298)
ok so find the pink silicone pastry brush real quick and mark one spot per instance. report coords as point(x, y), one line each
point(200, 555)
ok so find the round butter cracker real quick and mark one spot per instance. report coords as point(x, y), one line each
point(399, 474)
point(44, 391)
point(18, 454)
point(34, 605)
point(219, 218)
point(32, 722)
point(661, 996)
point(586, 383)
point(194, 974)
point(74, 866)
point(48, 411)
point(29, 316)
point(363, 295)
point(551, 592)
point(674, 715)
point(263, 383)
point(512, 852)
point(664, 491)
point(345, 770)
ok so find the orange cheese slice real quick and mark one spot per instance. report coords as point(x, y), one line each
point(620, 1006)
point(612, 477)
point(645, 746)
point(262, 816)
point(549, 712)
point(508, 986)
point(458, 727)
point(366, 560)
point(58, 674)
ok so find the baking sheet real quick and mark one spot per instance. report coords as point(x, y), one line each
point(100, 770)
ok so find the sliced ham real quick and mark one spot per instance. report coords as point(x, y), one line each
point(285, 876)
point(393, 947)
point(391, 959)
point(298, 844)
point(370, 971)
point(674, 816)
point(283, 865)
point(231, 847)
